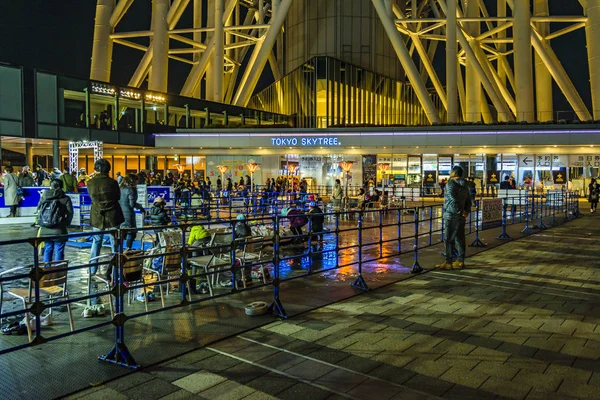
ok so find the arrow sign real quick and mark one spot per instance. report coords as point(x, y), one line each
point(526, 160)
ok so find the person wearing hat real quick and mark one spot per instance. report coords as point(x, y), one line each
point(158, 214)
point(315, 215)
point(297, 220)
point(25, 178)
point(242, 229)
point(457, 206)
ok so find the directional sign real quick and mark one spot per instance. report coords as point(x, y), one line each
point(526, 160)
point(543, 161)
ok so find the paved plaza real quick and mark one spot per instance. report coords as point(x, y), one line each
point(520, 322)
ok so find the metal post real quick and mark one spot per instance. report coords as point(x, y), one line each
point(527, 230)
point(430, 225)
point(380, 234)
point(477, 242)
point(451, 63)
point(416, 267)
point(276, 308)
point(504, 235)
point(399, 217)
point(360, 283)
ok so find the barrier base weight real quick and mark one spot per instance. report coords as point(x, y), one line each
point(120, 356)
point(504, 236)
point(276, 308)
point(477, 243)
point(360, 283)
point(527, 231)
point(416, 268)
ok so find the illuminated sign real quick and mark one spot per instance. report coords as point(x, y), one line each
point(305, 141)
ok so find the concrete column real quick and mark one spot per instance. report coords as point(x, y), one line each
point(592, 32)
point(29, 154)
point(160, 45)
point(56, 161)
point(523, 70)
point(473, 82)
point(543, 78)
point(451, 63)
point(102, 45)
point(219, 53)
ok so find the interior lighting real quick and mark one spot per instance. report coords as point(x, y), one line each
point(102, 89)
point(130, 94)
point(155, 98)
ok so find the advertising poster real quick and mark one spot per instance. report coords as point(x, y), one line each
point(370, 168)
point(491, 213)
point(560, 176)
point(429, 178)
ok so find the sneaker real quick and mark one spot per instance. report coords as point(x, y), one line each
point(99, 310)
point(45, 320)
point(89, 312)
point(444, 265)
point(458, 265)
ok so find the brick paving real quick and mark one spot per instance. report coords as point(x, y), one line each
point(520, 322)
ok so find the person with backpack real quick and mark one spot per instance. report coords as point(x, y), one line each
point(55, 212)
point(69, 183)
point(317, 219)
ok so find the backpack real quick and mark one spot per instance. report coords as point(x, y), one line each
point(52, 214)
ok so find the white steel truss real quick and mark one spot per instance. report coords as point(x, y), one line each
point(504, 61)
point(74, 152)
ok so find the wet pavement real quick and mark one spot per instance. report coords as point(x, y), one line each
point(520, 322)
point(187, 328)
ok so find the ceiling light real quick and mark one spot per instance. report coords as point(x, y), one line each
point(520, 146)
point(555, 146)
point(417, 147)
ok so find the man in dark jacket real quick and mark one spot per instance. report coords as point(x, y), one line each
point(54, 249)
point(40, 175)
point(25, 178)
point(315, 215)
point(106, 212)
point(506, 184)
point(457, 205)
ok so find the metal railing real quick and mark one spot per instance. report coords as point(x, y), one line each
point(350, 239)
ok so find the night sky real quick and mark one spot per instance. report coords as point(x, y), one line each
point(56, 35)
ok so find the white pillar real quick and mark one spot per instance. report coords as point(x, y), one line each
point(543, 79)
point(210, 36)
point(102, 45)
point(451, 63)
point(592, 31)
point(160, 45)
point(261, 55)
point(406, 61)
point(472, 79)
point(523, 70)
point(219, 53)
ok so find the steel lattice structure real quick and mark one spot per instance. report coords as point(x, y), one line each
point(500, 67)
point(74, 152)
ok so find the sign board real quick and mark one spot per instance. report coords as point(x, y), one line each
point(493, 177)
point(559, 161)
point(491, 213)
point(142, 192)
point(160, 191)
point(560, 176)
point(76, 203)
point(543, 161)
point(429, 178)
point(305, 141)
point(576, 161)
point(445, 165)
point(526, 161)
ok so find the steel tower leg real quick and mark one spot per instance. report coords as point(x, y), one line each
point(219, 53)
point(210, 36)
point(592, 32)
point(543, 79)
point(408, 64)
point(451, 63)
point(523, 70)
point(160, 46)
point(197, 36)
point(472, 77)
point(102, 46)
point(261, 55)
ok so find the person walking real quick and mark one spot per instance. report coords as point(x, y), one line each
point(55, 213)
point(129, 203)
point(594, 195)
point(457, 206)
point(106, 212)
point(317, 219)
point(11, 191)
point(40, 175)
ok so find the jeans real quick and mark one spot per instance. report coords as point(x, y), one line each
point(97, 246)
point(13, 211)
point(129, 238)
point(455, 239)
point(54, 248)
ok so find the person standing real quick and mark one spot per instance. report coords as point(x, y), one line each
point(119, 178)
point(55, 213)
point(338, 194)
point(457, 206)
point(40, 175)
point(25, 178)
point(129, 203)
point(594, 195)
point(11, 191)
point(315, 215)
point(106, 212)
point(69, 183)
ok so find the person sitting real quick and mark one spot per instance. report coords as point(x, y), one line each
point(297, 220)
point(242, 229)
point(199, 237)
point(362, 199)
point(158, 214)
